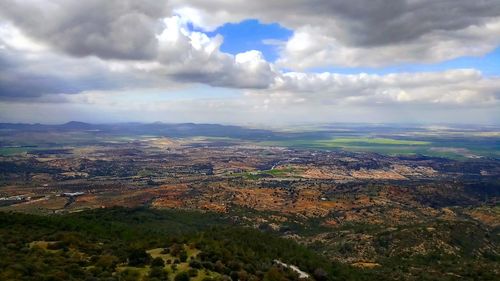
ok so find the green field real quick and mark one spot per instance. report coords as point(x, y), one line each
point(377, 141)
point(347, 142)
point(458, 148)
point(456, 145)
point(7, 151)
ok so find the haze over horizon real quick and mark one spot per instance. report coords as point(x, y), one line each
point(235, 62)
point(250, 140)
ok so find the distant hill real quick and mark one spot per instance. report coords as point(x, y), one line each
point(161, 129)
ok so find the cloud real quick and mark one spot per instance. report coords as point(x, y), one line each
point(365, 33)
point(281, 105)
point(117, 29)
point(136, 36)
point(326, 32)
point(31, 69)
point(311, 47)
point(460, 87)
point(66, 51)
point(341, 33)
point(194, 57)
point(27, 75)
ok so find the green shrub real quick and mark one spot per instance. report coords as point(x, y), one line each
point(182, 276)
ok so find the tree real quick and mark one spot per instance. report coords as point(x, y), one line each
point(158, 273)
point(274, 274)
point(195, 264)
point(138, 257)
point(129, 275)
point(157, 262)
point(183, 255)
point(193, 272)
point(107, 262)
point(182, 276)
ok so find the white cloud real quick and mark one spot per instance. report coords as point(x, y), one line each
point(192, 56)
point(81, 48)
point(364, 33)
point(312, 47)
point(461, 87)
point(12, 37)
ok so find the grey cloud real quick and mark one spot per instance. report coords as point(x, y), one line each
point(140, 50)
point(182, 56)
point(192, 56)
point(16, 83)
point(461, 87)
point(126, 29)
point(118, 29)
point(367, 33)
point(384, 22)
point(27, 76)
point(228, 71)
point(359, 22)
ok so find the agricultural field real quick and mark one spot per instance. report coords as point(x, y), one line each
point(460, 146)
point(397, 204)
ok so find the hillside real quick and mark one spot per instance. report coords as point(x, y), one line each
point(145, 244)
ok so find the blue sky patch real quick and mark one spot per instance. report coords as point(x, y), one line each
point(249, 35)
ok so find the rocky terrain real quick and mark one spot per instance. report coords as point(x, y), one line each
point(364, 209)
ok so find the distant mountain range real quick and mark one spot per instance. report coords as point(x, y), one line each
point(162, 129)
point(320, 131)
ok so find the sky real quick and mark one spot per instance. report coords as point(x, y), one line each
point(257, 62)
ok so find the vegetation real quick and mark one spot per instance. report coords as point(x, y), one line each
point(331, 213)
point(457, 143)
point(374, 141)
point(113, 244)
point(145, 244)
